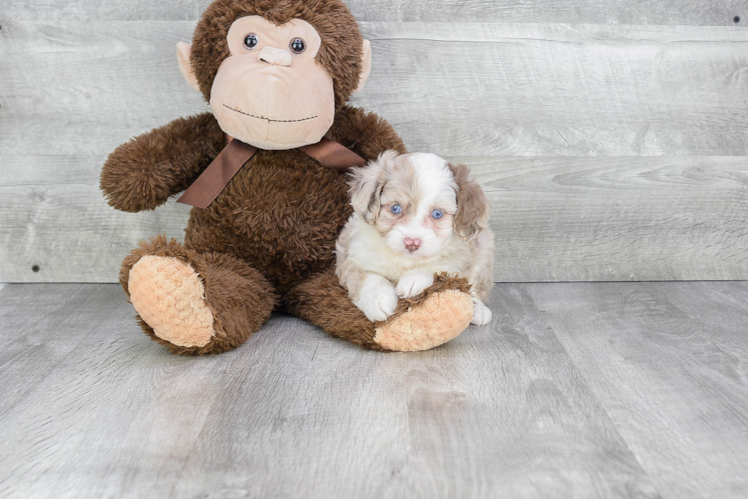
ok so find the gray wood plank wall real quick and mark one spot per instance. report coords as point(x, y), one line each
point(670, 12)
point(611, 137)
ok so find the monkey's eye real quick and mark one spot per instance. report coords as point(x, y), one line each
point(251, 41)
point(437, 214)
point(396, 209)
point(297, 45)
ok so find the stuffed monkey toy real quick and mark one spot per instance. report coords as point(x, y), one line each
point(265, 174)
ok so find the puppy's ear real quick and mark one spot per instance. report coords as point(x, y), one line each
point(473, 208)
point(366, 184)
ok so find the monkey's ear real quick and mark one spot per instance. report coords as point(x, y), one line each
point(365, 66)
point(183, 56)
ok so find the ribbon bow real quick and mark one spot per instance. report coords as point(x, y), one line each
point(219, 173)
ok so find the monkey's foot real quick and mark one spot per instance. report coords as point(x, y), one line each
point(436, 316)
point(194, 303)
point(169, 296)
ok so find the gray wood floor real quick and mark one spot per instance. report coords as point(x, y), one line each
point(606, 389)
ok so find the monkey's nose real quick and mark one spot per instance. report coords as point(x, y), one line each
point(412, 244)
point(278, 57)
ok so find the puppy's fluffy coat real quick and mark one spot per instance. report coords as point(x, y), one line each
point(414, 215)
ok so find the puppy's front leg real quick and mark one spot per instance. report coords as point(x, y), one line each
point(481, 313)
point(414, 282)
point(376, 297)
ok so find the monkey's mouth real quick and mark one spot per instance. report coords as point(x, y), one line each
point(269, 119)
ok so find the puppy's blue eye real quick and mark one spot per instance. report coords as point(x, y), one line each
point(437, 214)
point(396, 209)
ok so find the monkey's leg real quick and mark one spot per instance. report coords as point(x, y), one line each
point(195, 303)
point(434, 317)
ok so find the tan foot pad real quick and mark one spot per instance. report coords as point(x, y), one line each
point(437, 320)
point(169, 295)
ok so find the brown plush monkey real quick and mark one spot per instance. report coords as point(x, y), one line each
point(277, 75)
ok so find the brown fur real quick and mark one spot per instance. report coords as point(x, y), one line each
point(143, 173)
point(366, 185)
point(239, 297)
point(283, 211)
point(473, 208)
point(267, 241)
point(277, 220)
point(322, 301)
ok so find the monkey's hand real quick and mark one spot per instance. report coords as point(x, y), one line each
point(143, 173)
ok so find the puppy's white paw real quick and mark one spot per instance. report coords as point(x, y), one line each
point(481, 314)
point(411, 284)
point(377, 298)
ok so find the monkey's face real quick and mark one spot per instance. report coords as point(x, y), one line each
point(275, 72)
point(271, 92)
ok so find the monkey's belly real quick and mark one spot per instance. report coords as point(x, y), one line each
point(283, 223)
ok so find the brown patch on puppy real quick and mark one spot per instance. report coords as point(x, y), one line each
point(473, 208)
point(371, 194)
point(399, 192)
point(366, 185)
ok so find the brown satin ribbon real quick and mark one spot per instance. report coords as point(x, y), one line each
point(219, 173)
point(333, 155)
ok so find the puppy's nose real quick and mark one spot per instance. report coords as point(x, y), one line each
point(412, 244)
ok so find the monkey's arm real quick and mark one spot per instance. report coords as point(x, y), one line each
point(143, 173)
point(365, 133)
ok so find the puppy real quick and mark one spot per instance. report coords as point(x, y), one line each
point(414, 215)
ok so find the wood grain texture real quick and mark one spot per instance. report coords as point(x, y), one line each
point(499, 412)
point(670, 373)
point(669, 12)
point(562, 90)
point(575, 390)
point(555, 219)
point(475, 89)
point(36, 325)
point(607, 97)
point(70, 233)
point(617, 219)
